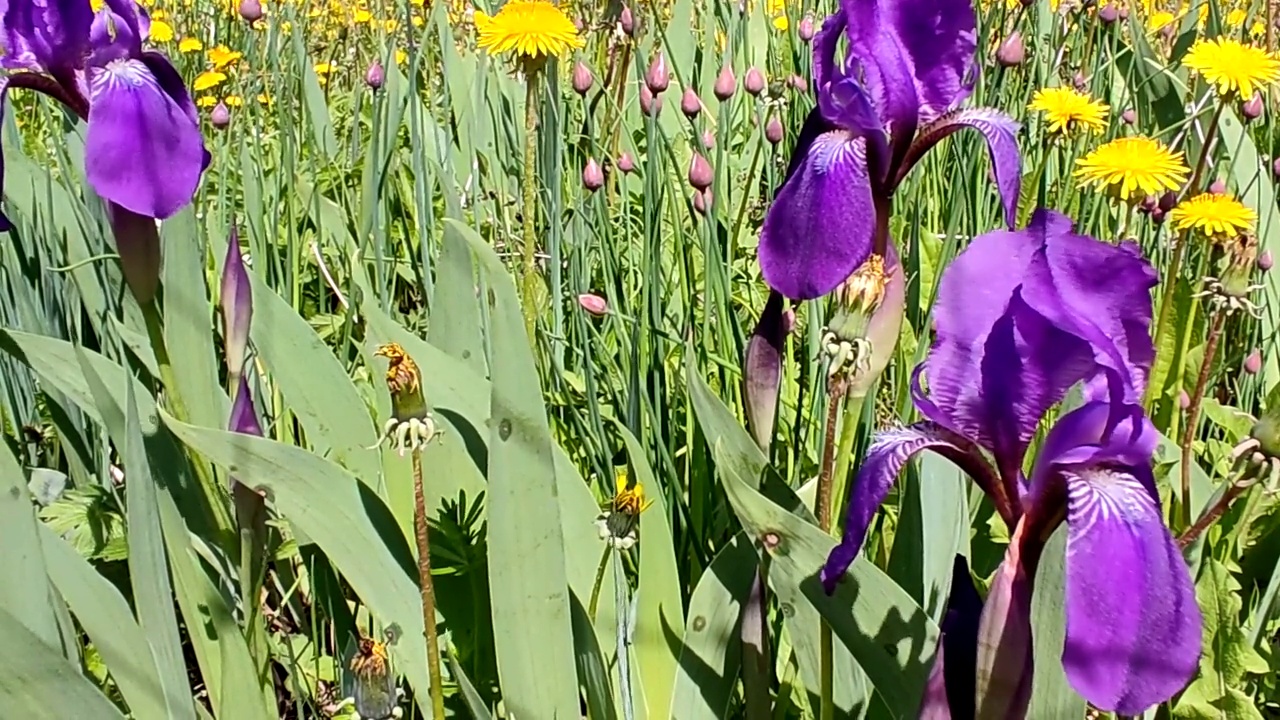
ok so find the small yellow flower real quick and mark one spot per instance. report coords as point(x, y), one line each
point(1133, 168)
point(208, 80)
point(418, 21)
point(189, 45)
point(402, 57)
point(1067, 109)
point(1236, 18)
point(205, 101)
point(390, 25)
point(323, 68)
point(777, 9)
point(161, 31)
point(1233, 67)
point(264, 99)
point(619, 524)
point(361, 16)
point(222, 56)
point(533, 29)
point(1157, 20)
point(157, 14)
point(1257, 29)
point(233, 101)
point(629, 500)
point(1218, 217)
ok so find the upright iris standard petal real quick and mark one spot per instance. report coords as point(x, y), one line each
point(1001, 133)
point(236, 304)
point(143, 149)
point(1133, 626)
point(820, 227)
point(762, 371)
point(878, 59)
point(940, 37)
point(244, 419)
point(47, 36)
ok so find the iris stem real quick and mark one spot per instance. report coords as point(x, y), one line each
point(530, 196)
point(830, 458)
point(428, 589)
point(1193, 410)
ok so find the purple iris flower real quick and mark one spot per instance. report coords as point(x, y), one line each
point(908, 66)
point(143, 151)
point(1021, 318)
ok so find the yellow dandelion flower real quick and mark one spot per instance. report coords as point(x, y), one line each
point(222, 56)
point(1257, 29)
point(402, 57)
point(1218, 217)
point(361, 16)
point(532, 29)
point(1133, 168)
point(1236, 18)
point(157, 14)
point(161, 31)
point(1157, 20)
point(208, 80)
point(1067, 109)
point(1232, 66)
point(205, 101)
point(390, 25)
point(264, 99)
point(323, 68)
point(418, 21)
point(189, 45)
point(233, 101)
point(629, 500)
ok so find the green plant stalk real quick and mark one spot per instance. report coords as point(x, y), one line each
point(836, 387)
point(595, 587)
point(1166, 307)
point(529, 274)
point(428, 589)
point(1193, 410)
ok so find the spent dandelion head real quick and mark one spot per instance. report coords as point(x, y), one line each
point(619, 524)
point(1234, 68)
point(1218, 217)
point(531, 30)
point(411, 425)
point(371, 683)
point(1133, 168)
point(1068, 110)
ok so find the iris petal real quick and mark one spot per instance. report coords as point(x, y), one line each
point(1001, 133)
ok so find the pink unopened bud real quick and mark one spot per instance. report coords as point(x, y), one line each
point(593, 304)
point(702, 201)
point(375, 77)
point(726, 84)
point(220, 116)
point(582, 79)
point(773, 130)
point(650, 104)
point(788, 321)
point(592, 176)
point(690, 105)
point(799, 83)
point(1168, 201)
point(1184, 400)
point(1253, 362)
point(754, 81)
point(805, 31)
point(250, 10)
point(1129, 116)
point(1218, 187)
point(1275, 168)
point(1252, 109)
point(1012, 52)
point(625, 163)
point(1109, 13)
point(1080, 82)
point(1157, 216)
point(700, 173)
point(580, 25)
point(1265, 261)
point(1149, 203)
point(1168, 31)
point(659, 75)
point(708, 139)
point(627, 22)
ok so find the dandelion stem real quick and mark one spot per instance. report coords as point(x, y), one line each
point(1193, 410)
point(428, 588)
point(595, 587)
point(1211, 515)
point(530, 189)
point(830, 457)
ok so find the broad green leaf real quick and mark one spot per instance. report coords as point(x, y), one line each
point(188, 324)
point(1226, 649)
point(1051, 694)
point(24, 587)
point(933, 527)
point(322, 133)
point(530, 590)
point(39, 683)
point(475, 705)
point(455, 310)
point(593, 674)
point(660, 614)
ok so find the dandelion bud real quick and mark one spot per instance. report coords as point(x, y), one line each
point(1265, 261)
point(582, 78)
point(1184, 400)
point(726, 84)
point(700, 173)
point(690, 105)
point(1011, 52)
point(251, 10)
point(220, 116)
point(375, 77)
point(593, 304)
point(1253, 363)
point(1252, 110)
point(1109, 13)
point(1168, 201)
point(659, 76)
point(625, 163)
point(754, 81)
point(592, 176)
point(650, 104)
point(627, 22)
point(1129, 116)
point(805, 31)
point(1218, 187)
point(773, 130)
point(702, 201)
point(708, 139)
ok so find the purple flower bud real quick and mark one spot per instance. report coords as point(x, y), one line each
point(1157, 216)
point(251, 10)
point(580, 25)
point(1129, 116)
point(805, 31)
point(773, 130)
point(726, 84)
point(1168, 201)
point(788, 321)
point(1109, 13)
point(659, 75)
point(138, 245)
point(799, 83)
point(593, 304)
point(762, 371)
point(592, 176)
point(627, 22)
point(1149, 203)
point(708, 139)
point(650, 104)
point(582, 78)
point(1252, 109)
point(754, 82)
point(1011, 52)
point(220, 116)
point(1184, 400)
point(244, 419)
point(690, 105)
point(702, 201)
point(1167, 32)
point(700, 173)
point(236, 303)
point(1253, 363)
point(375, 77)
point(1218, 187)
point(625, 163)
point(1080, 82)
point(1124, 12)
point(1265, 261)
point(1275, 168)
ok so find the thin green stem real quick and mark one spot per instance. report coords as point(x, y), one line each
point(595, 587)
point(529, 268)
point(1193, 410)
point(844, 450)
point(1166, 307)
point(836, 388)
point(428, 589)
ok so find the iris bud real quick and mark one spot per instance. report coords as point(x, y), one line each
point(250, 10)
point(1252, 110)
point(1253, 363)
point(375, 77)
point(220, 116)
point(773, 130)
point(1129, 116)
point(627, 22)
point(805, 31)
point(1265, 261)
